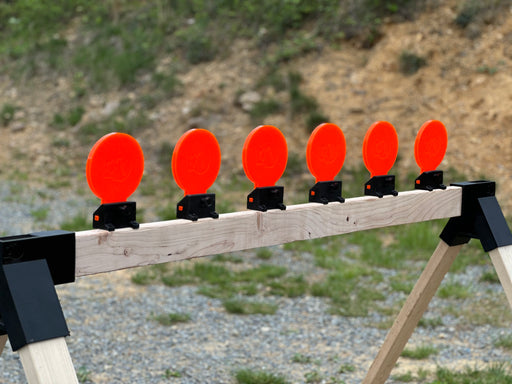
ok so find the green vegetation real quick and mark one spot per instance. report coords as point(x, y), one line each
point(453, 290)
point(80, 222)
point(7, 113)
point(40, 214)
point(245, 307)
point(168, 319)
point(410, 63)
point(313, 377)
point(492, 375)
point(249, 376)
point(504, 342)
point(83, 374)
point(299, 358)
point(346, 368)
point(420, 353)
point(169, 374)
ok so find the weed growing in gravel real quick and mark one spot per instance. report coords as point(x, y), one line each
point(346, 368)
point(249, 376)
point(169, 374)
point(264, 253)
point(404, 377)
point(498, 373)
point(453, 291)
point(430, 322)
point(168, 319)
point(80, 222)
point(313, 377)
point(40, 214)
point(83, 374)
point(299, 358)
point(148, 275)
point(504, 341)
point(490, 276)
point(420, 353)
point(245, 307)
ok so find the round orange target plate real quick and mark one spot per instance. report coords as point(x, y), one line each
point(196, 161)
point(114, 167)
point(265, 155)
point(380, 148)
point(430, 145)
point(325, 152)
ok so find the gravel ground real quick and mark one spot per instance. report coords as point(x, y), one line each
point(114, 338)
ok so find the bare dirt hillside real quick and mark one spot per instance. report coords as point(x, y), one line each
point(466, 83)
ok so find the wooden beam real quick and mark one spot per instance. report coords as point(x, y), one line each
point(3, 341)
point(48, 362)
point(411, 313)
point(99, 251)
point(502, 260)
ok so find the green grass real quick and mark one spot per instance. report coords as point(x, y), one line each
point(168, 319)
point(40, 214)
point(346, 368)
point(264, 253)
point(170, 374)
point(430, 322)
point(454, 291)
point(79, 222)
point(245, 307)
point(313, 377)
point(7, 113)
point(504, 341)
point(249, 376)
point(83, 374)
point(420, 353)
point(299, 358)
point(495, 374)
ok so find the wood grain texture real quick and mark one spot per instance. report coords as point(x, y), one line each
point(47, 362)
point(502, 260)
point(3, 341)
point(99, 251)
point(411, 313)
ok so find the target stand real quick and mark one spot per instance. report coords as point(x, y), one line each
point(30, 265)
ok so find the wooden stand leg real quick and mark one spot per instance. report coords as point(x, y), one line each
point(502, 260)
point(3, 341)
point(411, 312)
point(48, 362)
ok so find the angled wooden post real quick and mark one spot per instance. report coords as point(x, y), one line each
point(48, 362)
point(411, 313)
point(3, 341)
point(481, 218)
point(502, 260)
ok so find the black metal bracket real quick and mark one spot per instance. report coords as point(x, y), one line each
point(481, 218)
point(194, 207)
point(115, 215)
point(29, 306)
point(380, 186)
point(265, 198)
point(30, 266)
point(325, 192)
point(56, 247)
point(430, 180)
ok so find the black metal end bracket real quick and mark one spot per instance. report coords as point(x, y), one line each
point(115, 215)
point(265, 198)
point(380, 186)
point(194, 207)
point(481, 218)
point(30, 266)
point(325, 192)
point(429, 181)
